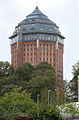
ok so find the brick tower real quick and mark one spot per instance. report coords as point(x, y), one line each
point(38, 39)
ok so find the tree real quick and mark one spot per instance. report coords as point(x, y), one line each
point(49, 112)
point(43, 66)
point(19, 78)
point(42, 81)
point(66, 91)
point(19, 102)
point(5, 69)
point(24, 72)
point(73, 84)
point(36, 80)
point(16, 102)
point(7, 84)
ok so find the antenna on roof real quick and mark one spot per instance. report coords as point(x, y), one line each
point(37, 4)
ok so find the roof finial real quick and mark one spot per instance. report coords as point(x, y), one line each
point(37, 4)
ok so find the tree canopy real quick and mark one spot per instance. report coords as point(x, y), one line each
point(5, 69)
point(73, 84)
point(37, 80)
point(24, 72)
point(44, 80)
point(20, 86)
point(17, 101)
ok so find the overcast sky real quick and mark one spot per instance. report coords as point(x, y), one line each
point(64, 13)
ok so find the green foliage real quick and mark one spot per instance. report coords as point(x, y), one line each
point(43, 66)
point(5, 69)
point(7, 84)
point(73, 84)
point(17, 101)
point(49, 113)
point(66, 91)
point(24, 72)
point(70, 109)
point(6, 77)
point(35, 79)
point(44, 80)
point(19, 77)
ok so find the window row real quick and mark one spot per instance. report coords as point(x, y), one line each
point(40, 49)
point(46, 59)
point(50, 54)
point(39, 59)
point(40, 54)
point(29, 54)
point(28, 49)
point(47, 49)
point(40, 45)
point(48, 45)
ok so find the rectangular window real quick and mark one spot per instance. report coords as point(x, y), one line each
point(34, 53)
point(24, 54)
point(24, 49)
point(47, 59)
point(31, 59)
point(50, 59)
point(27, 49)
point(43, 49)
point(43, 59)
point(53, 64)
point(27, 59)
point(53, 59)
point(40, 59)
point(31, 53)
point(49, 49)
point(43, 54)
point(53, 49)
point(54, 54)
point(50, 54)
point(27, 54)
point(40, 53)
point(24, 45)
point(24, 59)
point(31, 49)
point(31, 45)
point(43, 44)
point(47, 45)
point(27, 45)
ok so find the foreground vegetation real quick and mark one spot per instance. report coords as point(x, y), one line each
point(36, 80)
point(20, 102)
point(25, 90)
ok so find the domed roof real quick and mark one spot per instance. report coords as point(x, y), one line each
point(37, 22)
point(37, 14)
